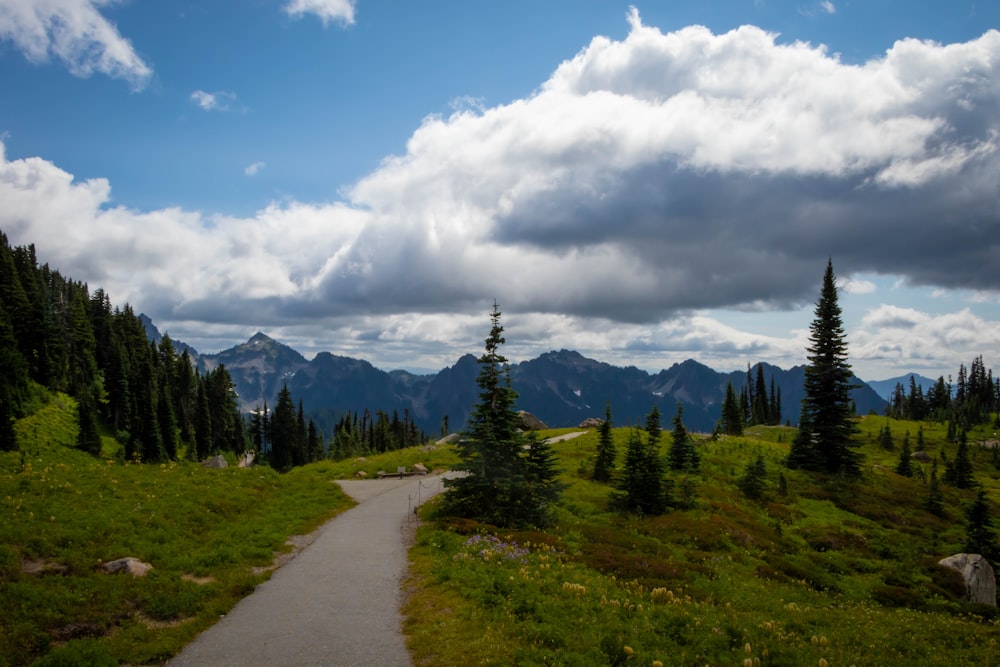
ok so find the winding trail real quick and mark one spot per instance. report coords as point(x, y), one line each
point(337, 601)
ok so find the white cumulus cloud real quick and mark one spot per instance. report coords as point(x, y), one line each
point(75, 33)
point(647, 179)
point(254, 169)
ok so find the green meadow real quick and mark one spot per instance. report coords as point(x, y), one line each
point(210, 535)
point(821, 571)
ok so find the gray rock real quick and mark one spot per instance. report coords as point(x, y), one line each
point(420, 468)
point(980, 581)
point(592, 422)
point(361, 474)
point(529, 422)
point(128, 565)
point(216, 462)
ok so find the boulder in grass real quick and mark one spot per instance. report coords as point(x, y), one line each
point(128, 565)
point(529, 422)
point(420, 468)
point(361, 474)
point(216, 462)
point(980, 581)
point(592, 422)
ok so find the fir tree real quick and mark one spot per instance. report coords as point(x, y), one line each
point(683, 455)
point(905, 467)
point(885, 439)
point(541, 489)
point(754, 479)
point(731, 420)
point(492, 450)
point(88, 438)
point(642, 484)
point(604, 462)
point(961, 469)
point(284, 431)
point(826, 423)
point(980, 537)
point(934, 503)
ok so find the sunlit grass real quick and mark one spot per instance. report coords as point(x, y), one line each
point(834, 570)
point(203, 531)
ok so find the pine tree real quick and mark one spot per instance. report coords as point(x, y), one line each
point(541, 489)
point(754, 479)
point(284, 431)
point(604, 462)
point(642, 484)
point(961, 470)
point(492, 450)
point(731, 420)
point(885, 440)
point(683, 455)
point(934, 503)
point(760, 408)
point(905, 467)
point(826, 423)
point(980, 537)
point(88, 438)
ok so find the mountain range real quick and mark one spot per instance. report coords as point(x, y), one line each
point(562, 388)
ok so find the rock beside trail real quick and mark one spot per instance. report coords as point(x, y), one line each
point(980, 581)
point(420, 468)
point(529, 422)
point(128, 565)
point(592, 422)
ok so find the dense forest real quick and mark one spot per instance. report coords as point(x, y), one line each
point(58, 336)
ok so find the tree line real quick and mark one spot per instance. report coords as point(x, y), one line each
point(55, 335)
point(970, 401)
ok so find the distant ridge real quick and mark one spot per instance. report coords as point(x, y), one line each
point(884, 388)
point(561, 387)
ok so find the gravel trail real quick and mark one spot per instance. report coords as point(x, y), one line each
point(337, 602)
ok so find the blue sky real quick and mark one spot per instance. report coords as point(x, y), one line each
point(642, 184)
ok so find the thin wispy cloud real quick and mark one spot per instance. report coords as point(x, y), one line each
point(337, 11)
point(254, 169)
point(218, 101)
point(75, 33)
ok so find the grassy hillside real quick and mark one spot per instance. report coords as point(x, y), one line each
point(832, 572)
point(209, 535)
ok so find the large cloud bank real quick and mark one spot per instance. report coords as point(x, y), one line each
point(646, 179)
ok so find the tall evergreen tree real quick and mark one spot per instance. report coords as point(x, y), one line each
point(761, 405)
point(604, 462)
point(642, 485)
point(542, 488)
point(980, 538)
point(88, 438)
point(683, 455)
point(827, 418)
point(960, 473)
point(731, 420)
point(492, 450)
point(284, 431)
